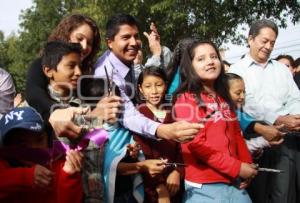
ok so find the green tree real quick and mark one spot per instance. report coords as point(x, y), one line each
point(36, 24)
point(216, 20)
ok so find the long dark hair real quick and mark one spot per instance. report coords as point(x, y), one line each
point(192, 83)
point(153, 71)
point(287, 57)
point(67, 25)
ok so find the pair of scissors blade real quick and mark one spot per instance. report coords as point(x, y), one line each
point(270, 170)
point(108, 80)
point(175, 164)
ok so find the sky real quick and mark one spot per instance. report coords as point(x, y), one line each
point(9, 14)
point(288, 41)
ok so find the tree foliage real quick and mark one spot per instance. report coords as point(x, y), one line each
point(216, 20)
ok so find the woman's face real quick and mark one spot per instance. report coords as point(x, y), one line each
point(83, 35)
point(206, 62)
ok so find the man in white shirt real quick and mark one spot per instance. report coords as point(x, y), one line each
point(272, 96)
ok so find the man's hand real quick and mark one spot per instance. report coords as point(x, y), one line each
point(291, 122)
point(42, 177)
point(180, 131)
point(61, 122)
point(107, 108)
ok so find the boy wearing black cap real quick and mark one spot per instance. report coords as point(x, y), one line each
point(23, 179)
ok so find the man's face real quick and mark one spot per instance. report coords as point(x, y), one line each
point(126, 43)
point(262, 45)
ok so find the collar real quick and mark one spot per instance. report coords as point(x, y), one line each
point(117, 64)
point(249, 61)
point(56, 96)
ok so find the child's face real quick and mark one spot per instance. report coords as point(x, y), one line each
point(67, 73)
point(206, 62)
point(27, 139)
point(153, 89)
point(237, 92)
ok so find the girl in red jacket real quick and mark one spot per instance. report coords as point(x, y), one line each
point(217, 157)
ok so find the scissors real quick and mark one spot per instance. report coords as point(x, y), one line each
point(271, 170)
point(108, 80)
point(175, 164)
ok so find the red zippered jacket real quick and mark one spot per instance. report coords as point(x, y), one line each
point(17, 185)
point(216, 153)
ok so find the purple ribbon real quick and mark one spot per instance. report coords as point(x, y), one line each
point(98, 136)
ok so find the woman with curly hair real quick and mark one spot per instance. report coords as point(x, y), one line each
point(75, 28)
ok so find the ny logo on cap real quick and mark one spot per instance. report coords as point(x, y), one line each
point(12, 115)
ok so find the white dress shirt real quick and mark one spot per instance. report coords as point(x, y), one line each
point(270, 89)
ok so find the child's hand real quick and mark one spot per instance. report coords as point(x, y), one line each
point(133, 150)
point(163, 194)
point(277, 142)
point(62, 124)
point(245, 183)
point(173, 182)
point(248, 171)
point(270, 133)
point(42, 176)
point(73, 163)
point(153, 166)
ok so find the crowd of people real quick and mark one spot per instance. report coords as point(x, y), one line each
point(179, 128)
